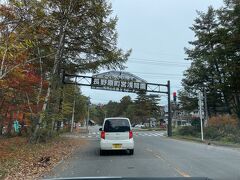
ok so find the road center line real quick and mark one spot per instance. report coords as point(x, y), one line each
point(149, 150)
point(178, 170)
point(156, 155)
point(181, 172)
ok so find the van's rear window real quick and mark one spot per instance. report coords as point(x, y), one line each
point(116, 125)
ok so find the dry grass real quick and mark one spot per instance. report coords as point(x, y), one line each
point(224, 120)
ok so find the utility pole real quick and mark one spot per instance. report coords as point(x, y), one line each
point(169, 111)
point(105, 114)
point(88, 113)
point(74, 103)
point(205, 107)
point(200, 111)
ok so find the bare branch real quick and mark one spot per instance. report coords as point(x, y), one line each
point(28, 103)
point(22, 64)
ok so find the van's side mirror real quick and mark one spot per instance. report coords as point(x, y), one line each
point(100, 129)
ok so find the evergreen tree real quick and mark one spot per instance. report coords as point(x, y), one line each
point(215, 58)
point(142, 107)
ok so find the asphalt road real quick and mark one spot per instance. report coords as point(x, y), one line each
point(155, 156)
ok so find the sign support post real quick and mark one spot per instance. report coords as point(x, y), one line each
point(200, 112)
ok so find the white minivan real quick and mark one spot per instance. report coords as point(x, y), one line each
point(116, 134)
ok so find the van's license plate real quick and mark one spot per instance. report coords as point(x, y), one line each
point(117, 146)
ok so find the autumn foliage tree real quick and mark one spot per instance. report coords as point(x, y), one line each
point(38, 39)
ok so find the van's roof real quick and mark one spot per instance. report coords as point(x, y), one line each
point(116, 118)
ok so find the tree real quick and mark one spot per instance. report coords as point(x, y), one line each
point(205, 67)
point(154, 107)
point(123, 105)
point(188, 101)
point(130, 113)
point(112, 109)
point(142, 107)
point(70, 93)
point(97, 113)
point(83, 38)
point(79, 36)
point(215, 58)
point(229, 18)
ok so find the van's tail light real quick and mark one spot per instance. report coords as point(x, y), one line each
point(102, 134)
point(130, 134)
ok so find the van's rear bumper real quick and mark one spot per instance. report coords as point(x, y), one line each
point(108, 144)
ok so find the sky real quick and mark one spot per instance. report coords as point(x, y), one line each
point(157, 32)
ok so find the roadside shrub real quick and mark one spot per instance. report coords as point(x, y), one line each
point(223, 122)
point(233, 136)
point(187, 131)
point(223, 128)
point(212, 133)
point(236, 138)
point(196, 123)
point(64, 130)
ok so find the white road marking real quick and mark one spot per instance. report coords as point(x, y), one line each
point(157, 156)
point(148, 150)
point(149, 134)
point(96, 135)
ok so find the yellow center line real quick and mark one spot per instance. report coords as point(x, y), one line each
point(181, 172)
point(159, 156)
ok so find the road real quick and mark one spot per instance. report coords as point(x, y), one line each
point(155, 156)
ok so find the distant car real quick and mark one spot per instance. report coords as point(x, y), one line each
point(163, 126)
point(139, 126)
point(116, 134)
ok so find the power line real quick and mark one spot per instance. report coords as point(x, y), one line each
point(157, 61)
point(158, 74)
point(154, 64)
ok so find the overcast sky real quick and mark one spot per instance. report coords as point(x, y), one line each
point(157, 32)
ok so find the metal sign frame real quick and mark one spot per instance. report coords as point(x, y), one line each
point(121, 86)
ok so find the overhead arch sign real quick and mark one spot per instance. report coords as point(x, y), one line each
point(118, 81)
